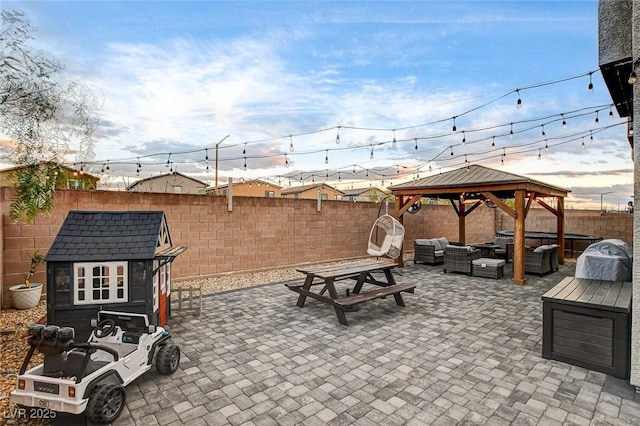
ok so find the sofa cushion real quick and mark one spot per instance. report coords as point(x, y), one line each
point(436, 243)
point(486, 262)
point(439, 253)
point(422, 242)
point(443, 242)
point(542, 248)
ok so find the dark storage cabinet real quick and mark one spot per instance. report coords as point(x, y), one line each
point(588, 323)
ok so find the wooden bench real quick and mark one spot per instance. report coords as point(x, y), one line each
point(382, 292)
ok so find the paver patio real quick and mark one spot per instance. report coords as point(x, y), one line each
point(464, 350)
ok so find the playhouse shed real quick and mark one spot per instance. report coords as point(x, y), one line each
point(117, 261)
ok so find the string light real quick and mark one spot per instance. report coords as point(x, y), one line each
point(454, 128)
point(338, 136)
point(393, 144)
point(543, 132)
point(590, 87)
point(540, 154)
point(546, 146)
point(451, 150)
point(245, 164)
point(244, 150)
point(416, 145)
point(591, 135)
point(353, 173)
point(326, 158)
point(371, 155)
point(582, 142)
point(464, 137)
point(493, 142)
point(564, 122)
point(611, 112)
point(597, 120)
point(511, 131)
point(633, 77)
point(290, 143)
point(168, 160)
point(286, 161)
point(519, 101)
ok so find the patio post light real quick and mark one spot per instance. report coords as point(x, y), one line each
point(216, 179)
point(604, 193)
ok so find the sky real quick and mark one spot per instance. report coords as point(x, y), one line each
point(284, 79)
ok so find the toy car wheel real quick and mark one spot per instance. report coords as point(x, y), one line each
point(105, 403)
point(168, 359)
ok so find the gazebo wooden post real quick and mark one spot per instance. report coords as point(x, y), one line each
point(560, 229)
point(396, 212)
point(518, 243)
point(461, 221)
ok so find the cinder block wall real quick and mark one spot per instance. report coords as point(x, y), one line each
point(265, 233)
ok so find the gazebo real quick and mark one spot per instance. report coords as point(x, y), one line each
point(478, 184)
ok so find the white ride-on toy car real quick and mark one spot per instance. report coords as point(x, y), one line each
point(90, 377)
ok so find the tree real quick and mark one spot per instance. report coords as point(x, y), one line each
point(41, 113)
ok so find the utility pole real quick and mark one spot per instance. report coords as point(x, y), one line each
point(215, 192)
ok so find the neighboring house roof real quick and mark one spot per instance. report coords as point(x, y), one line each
point(246, 182)
point(300, 189)
point(70, 169)
point(360, 191)
point(151, 178)
point(106, 236)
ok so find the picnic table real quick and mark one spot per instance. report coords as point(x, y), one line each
point(361, 271)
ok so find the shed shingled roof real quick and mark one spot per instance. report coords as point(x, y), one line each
point(106, 236)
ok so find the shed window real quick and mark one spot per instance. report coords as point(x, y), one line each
point(100, 283)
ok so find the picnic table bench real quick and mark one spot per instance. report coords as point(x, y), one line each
point(360, 271)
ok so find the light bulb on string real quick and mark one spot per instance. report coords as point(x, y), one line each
point(206, 154)
point(371, 155)
point(171, 167)
point(313, 178)
point(611, 112)
point(168, 160)
point(326, 157)
point(416, 144)
point(338, 136)
point(582, 142)
point(339, 178)
point(327, 175)
point(290, 143)
point(451, 150)
point(546, 146)
point(519, 101)
point(286, 161)
point(590, 87)
point(108, 169)
point(597, 120)
point(590, 135)
point(244, 150)
point(464, 137)
point(543, 132)
point(245, 163)
point(454, 128)
point(353, 173)
point(564, 122)
point(429, 166)
point(511, 131)
point(81, 168)
point(394, 144)
point(465, 159)
point(540, 154)
point(493, 142)
point(398, 170)
point(367, 175)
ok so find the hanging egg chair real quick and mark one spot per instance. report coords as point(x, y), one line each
point(386, 237)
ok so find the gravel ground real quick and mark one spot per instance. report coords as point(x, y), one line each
point(14, 323)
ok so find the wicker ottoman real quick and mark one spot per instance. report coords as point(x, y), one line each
point(489, 268)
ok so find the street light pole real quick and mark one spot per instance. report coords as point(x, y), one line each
point(215, 192)
point(604, 193)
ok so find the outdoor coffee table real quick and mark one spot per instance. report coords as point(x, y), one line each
point(486, 249)
point(360, 271)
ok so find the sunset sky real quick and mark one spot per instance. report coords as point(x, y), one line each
point(177, 77)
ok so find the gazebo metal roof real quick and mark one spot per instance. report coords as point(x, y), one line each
point(482, 184)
